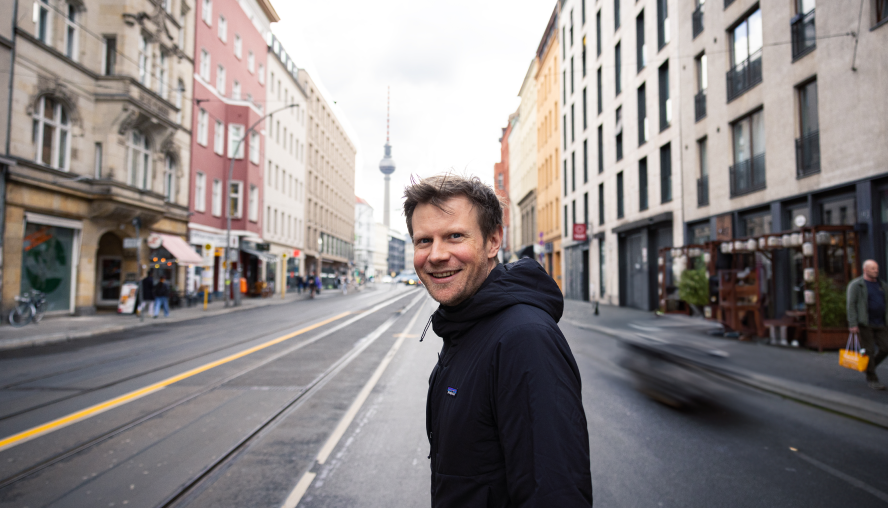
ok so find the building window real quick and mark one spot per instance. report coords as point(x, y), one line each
point(98, 161)
point(564, 131)
point(598, 33)
point(601, 204)
point(254, 203)
point(169, 178)
point(666, 173)
point(880, 12)
point(571, 75)
point(746, 55)
point(600, 149)
point(144, 60)
point(565, 177)
point(236, 90)
point(616, 15)
point(748, 172)
point(203, 125)
point(665, 100)
point(217, 197)
point(109, 55)
point(702, 84)
point(573, 121)
point(238, 46)
point(804, 34)
point(601, 268)
point(200, 192)
point(640, 48)
point(564, 87)
point(600, 99)
point(261, 74)
point(642, 116)
point(162, 75)
point(71, 32)
point(251, 62)
point(808, 145)
point(619, 133)
point(662, 24)
point(585, 121)
point(254, 147)
point(223, 29)
point(205, 65)
point(566, 225)
point(139, 160)
point(584, 56)
point(180, 94)
point(620, 211)
point(206, 11)
point(697, 17)
point(573, 171)
point(643, 184)
point(235, 199)
point(500, 183)
point(220, 79)
point(703, 181)
point(235, 140)
point(618, 74)
point(181, 30)
point(51, 134)
point(41, 19)
point(219, 138)
point(586, 209)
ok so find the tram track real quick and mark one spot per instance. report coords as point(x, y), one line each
point(55, 459)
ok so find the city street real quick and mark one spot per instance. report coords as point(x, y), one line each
point(322, 403)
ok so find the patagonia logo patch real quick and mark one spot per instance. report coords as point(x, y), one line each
point(451, 391)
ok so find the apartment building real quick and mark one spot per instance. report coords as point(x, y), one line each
point(549, 143)
point(501, 185)
point(788, 124)
point(330, 189)
point(284, 183)
point(100, 138)
point(229, 100)
point(364, 244)
point(620, 68)
point(523, 177)
point(7, 53)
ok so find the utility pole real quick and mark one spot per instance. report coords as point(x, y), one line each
point(137, 222)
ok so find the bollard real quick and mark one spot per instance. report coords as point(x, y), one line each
point(206, 296)
point(596, 309)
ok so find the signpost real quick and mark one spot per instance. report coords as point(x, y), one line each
point(284, 276)
point(130, 243)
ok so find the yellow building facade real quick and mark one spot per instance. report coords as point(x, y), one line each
point(549, 135)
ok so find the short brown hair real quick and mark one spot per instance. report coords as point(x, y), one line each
point(435, 190)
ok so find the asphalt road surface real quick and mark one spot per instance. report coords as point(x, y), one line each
point(322, 404)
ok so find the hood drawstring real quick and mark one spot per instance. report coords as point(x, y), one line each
point(426, 328)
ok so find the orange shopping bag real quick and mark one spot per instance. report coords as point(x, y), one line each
point(850, 357)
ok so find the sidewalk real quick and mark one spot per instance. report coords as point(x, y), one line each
point(64, 328)
point(797, 373)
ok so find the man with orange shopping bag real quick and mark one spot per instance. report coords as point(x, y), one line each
point(867, 316)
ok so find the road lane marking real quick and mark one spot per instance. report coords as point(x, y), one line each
point(83, 414)
point(838, 474)
point(302, 486)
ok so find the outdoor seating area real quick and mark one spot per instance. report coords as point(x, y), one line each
point(735, 282)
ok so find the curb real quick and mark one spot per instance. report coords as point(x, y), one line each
point(57, 338)
point(837, 402)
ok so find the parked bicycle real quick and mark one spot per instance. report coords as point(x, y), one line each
point(30, 307)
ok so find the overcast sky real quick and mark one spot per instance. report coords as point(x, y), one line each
point(454, 68)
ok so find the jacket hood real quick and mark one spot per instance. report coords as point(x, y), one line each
point(521, 282)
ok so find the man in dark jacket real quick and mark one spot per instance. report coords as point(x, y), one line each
point(504, 413)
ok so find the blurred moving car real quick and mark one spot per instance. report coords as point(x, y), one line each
point(408, 277)
point(387, 279)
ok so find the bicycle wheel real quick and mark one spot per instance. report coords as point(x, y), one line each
point(39, 311)
point(20, 316)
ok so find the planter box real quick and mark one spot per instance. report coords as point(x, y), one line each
point(830, 338)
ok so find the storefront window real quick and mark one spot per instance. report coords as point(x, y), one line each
point(840, 212)
point(47, 262)
point(700, 233)
point(755, 224)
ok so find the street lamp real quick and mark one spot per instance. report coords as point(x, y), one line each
point(320, 274)
point(230, 273)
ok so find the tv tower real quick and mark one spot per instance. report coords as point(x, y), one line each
point(387, 165)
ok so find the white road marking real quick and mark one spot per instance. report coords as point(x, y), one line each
point(838, 474)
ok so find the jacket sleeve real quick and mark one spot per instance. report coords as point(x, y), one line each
point(540, 419)
point(851, 305)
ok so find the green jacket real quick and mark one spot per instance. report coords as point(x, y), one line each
point(857, 300)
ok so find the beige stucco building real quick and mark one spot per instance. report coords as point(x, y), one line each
point(785, 123)
point(330, 188)
point(523, 177)
point(100, 138)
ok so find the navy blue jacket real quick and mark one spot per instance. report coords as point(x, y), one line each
point(504, 413)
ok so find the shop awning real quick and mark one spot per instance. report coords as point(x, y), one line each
point(183, 252)
point(269, 258)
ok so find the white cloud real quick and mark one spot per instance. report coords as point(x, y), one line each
point(454, 69)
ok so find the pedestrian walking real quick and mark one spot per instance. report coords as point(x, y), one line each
point(312, 285)
point(162, 297)
point(504, 411)
point(867, 316)
point(343, 281)
point(299, 284)
point(147, 294)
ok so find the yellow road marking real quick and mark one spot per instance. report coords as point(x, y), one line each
point(46, 428)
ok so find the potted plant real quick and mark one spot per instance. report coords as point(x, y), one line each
point(833, 315)
point(693, 287)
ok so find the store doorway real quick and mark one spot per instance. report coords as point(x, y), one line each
point(109, 267)
point(636, 269)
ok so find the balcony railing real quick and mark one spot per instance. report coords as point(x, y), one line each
point(697, 19)
point(700, 105)
point(804, 38)
point(748, 176)
point(808, 154)
point(745, 75)
point(703, 190)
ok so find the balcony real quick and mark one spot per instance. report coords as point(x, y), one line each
point(808, 154)
point(748, 176)
point(804, 38)
point(703, 190)
point(700, 105)
point(697, 19)
point(745, 75)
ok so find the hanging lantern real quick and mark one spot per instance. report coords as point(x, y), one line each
point(808, 249)
point(809, 297)
point(661, 261)
point(751, 244)
point(739, 245)
point(774, 242)
point(786, 240)
point(796, 239)
point(707, 257)
point(809, 275)
point(763, 243)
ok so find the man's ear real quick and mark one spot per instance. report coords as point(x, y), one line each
point(495, 242)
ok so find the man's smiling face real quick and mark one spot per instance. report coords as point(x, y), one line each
point(450, 254)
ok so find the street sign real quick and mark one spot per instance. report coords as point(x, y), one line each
point(296, 253)
point(154, 241)
point(579, 232)
point(130, 243)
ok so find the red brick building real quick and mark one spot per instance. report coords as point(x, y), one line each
point(229, 96)
point(501, 183)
